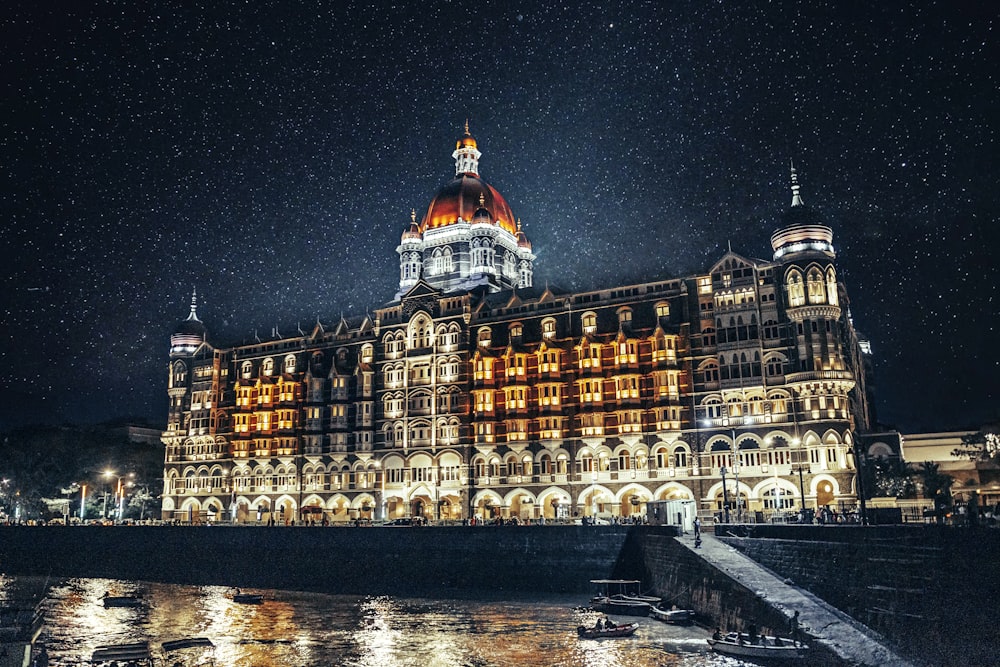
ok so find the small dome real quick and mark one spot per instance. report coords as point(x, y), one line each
point(482, 215)
point(466, 142)
point(413, 231)
point(191, 327)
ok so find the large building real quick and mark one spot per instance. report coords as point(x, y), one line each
point(474, 394)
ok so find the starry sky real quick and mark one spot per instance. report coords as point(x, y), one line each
point(270, 153)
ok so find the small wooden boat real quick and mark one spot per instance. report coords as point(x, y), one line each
point(121, 600)
point(620, 607)
point(675, 616)
point(618, 596)
point(767, 648)
point(123, 654)
point(248, 598)
point(189, 651)
point(601, 633)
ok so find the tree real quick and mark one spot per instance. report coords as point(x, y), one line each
point(937, 486)
point(983, 446)
point(888, 478)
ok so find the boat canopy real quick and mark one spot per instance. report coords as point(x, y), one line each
point(189, 642)
point(139, 651)
point(605, 582)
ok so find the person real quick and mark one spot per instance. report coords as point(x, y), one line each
point(717, 634)
point(697, 542)
point(752, 631)
point(793, 627)
point(697, 528)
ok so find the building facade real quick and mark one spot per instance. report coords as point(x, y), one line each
point(474, 394)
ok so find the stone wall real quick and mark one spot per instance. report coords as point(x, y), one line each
point(932, 590)
point(452, 561)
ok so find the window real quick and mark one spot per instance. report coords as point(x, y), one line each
point(630, 421)
point(796, 292)
point(516, 330)
point(267, 368)
point(590, 356)
point(484, 401)
point(484, 337)
point(663, 309)
point(484, 369)
point(625, 316)
point(516, 397)
point(589, 322)
point(626, 387)
point(705, 285)
point(517, 365)
point(626, 352)
point(548, 394)
point(290, 363)
point(548, 328)
point(590, 391)
point(592, 424)
point(548, 361)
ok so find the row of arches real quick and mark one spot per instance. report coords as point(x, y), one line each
point(554, 502)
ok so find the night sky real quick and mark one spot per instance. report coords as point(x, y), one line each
point(270, 152)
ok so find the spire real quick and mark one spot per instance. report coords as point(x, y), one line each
point(796, 197)
point(193, 316)
point(467, 128)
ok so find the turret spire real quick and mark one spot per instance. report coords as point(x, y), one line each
point(796, 197)
point(194, 305)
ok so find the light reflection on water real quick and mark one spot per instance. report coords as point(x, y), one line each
point(293, 629)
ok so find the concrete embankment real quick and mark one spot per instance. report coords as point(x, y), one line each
point(726, 586)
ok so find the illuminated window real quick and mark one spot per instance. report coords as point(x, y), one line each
point(589, 321)
point(625, 316)
point(796, 291)
point(548, 361)
point(590, 391)
point(267, 368)
point(663, 309)
point(705, 285)
point(484, 337)
point(590, 356)
point(516, 330)
point(484, 369)
point(816, 286)
point(548, 328)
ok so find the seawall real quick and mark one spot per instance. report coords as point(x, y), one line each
point(454, 561)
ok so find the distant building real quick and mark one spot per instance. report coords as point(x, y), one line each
point(476, 394)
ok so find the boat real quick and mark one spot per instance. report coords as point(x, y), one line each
point(121, 600)
point(600, 633)
point(674, 615)
point(619, 596)
point(767, 648)
point(20, 627)
point(192, 651)
point(247, 598)
point(136, 653)
point(620, 607)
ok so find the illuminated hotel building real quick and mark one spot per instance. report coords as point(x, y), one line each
point(476, 394)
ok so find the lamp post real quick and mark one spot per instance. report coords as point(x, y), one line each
point(736, 472)
point(83, 501)
point(108, 474)
point(802, 488)
point(725, 494)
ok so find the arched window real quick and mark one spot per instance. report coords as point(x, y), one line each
point(796, 292)
point(663, 309)
point(290, 363)
point(267, 368)
point(831, 287)
point(589, 322)
point(485, 337)
point(625, 316)
point(817, 286)
point(548, 328)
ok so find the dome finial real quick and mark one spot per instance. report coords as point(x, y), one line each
point(796, 197)
point(194, 305)
point(413, 215)
point(482, 200)
point(467, 128)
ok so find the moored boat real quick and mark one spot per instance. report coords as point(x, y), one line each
point(607, 632)
point(240, 597)
point(674, 615)
point(189, 651)
point(767, 648)
point(620, 596)
point(136, 653)
point(620, 607)
point(121, 600)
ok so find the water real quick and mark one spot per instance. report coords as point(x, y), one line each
point(292, 629)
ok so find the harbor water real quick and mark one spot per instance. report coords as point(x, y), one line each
point(293, 629)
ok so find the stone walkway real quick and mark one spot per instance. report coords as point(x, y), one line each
point(822, 623)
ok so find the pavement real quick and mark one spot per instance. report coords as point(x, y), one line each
point(823, 624)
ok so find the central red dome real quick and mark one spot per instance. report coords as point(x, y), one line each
point(460, 198)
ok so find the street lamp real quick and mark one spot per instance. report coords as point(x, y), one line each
point(725, 494)
point(736, 471)
point(802, 489)
point(108, 474)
